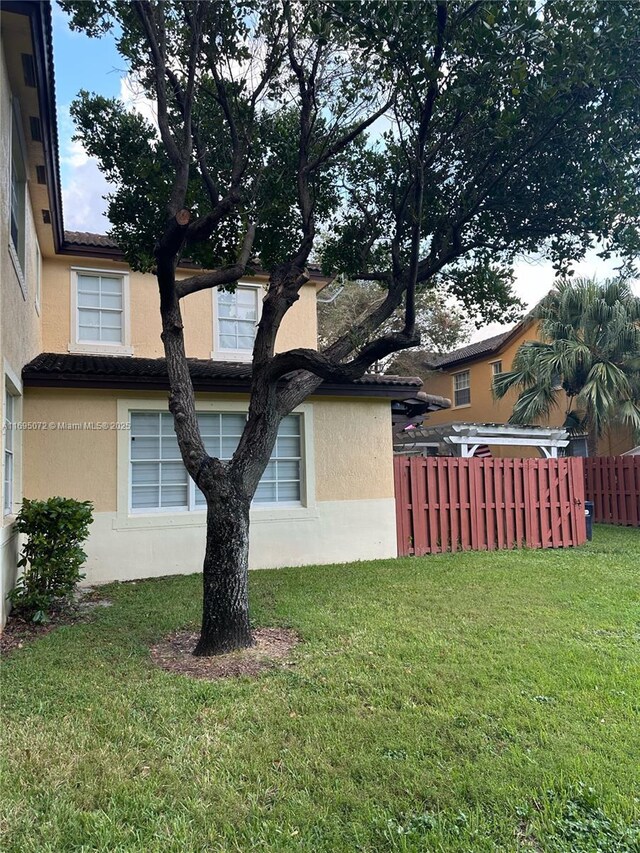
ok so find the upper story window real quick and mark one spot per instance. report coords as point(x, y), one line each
point(496, 368)
point(462, 388)
point(100, 312)
point(236, 317)
point(17, 241)
point(38, 296)
point(159, 480)
point(8, 460)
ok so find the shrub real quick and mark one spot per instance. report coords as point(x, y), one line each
point(52, 555)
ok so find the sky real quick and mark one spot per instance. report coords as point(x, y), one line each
point(94, 64)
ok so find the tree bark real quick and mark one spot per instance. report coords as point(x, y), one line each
point(592, 442)
point(225, 610)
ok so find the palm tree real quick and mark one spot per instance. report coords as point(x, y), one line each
point(590, 350)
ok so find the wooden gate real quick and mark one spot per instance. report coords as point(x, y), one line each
point(453, 504)
point(613, 484)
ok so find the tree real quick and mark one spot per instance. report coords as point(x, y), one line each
point(590, 352)
point(416, 145)
point(441, 323)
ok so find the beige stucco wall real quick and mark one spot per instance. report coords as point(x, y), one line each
point(20, 331)
point(348, 513)
point(353, 442)
point(298, 327)
point(20, 334)
point(78, 464)
point(351, 462)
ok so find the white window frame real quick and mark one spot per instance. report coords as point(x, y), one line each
point(8, 452)
point(18, 254)
point(12, 388)
point(219, 354)
point(165, 517)
point(463, 388)
point(101, 347)
point(494, 365)
point(192, 505)
point(38, 276)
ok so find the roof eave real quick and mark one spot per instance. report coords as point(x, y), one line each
point(40, 21)
point(496, 350)
point(45, 380)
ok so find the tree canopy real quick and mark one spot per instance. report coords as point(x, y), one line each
point(419, 146)
point(516, 125)
point(443, 325)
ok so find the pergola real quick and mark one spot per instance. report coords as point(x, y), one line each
point(465, 439)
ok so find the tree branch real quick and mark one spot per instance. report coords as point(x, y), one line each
point(179, 158)
point(325, 368)
point(225, 275)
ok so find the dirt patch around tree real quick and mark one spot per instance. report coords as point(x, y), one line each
point(271, 646)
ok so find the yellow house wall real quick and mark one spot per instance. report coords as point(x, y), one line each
point(20, 330)
point(349, 512)
point(350, 463)
point(484, 408)
point(299, 327)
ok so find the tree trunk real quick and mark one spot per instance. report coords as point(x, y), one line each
point(225, 611)
point(592, 442)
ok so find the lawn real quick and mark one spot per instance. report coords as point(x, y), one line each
point(476, 702)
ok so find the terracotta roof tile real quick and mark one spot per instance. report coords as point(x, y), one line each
point(61, 369)
point(86, 238)
point(477, 349)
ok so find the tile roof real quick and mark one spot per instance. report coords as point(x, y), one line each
point(85, 241)
point(91, 371)
point(86, 238)
point(470, 351)
point(477, 349)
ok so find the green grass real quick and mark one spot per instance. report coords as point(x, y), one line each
point(476, 702)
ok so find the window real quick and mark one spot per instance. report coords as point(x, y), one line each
point(496, 368)
point(461, 388)
point(160, 481)
point(38, 278)
point(100, 312)
point(236, 320)
point(18, 201)
point(8, 466)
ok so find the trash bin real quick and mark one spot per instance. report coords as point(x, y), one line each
point(588, 512)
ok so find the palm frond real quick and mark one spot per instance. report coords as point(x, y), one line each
point(533, 405)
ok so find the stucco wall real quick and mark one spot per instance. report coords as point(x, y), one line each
point(353, 449)
point(298, 328)
point(20, 332)
point(349, 511)
point(485, 409)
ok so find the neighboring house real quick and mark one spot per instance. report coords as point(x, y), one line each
point(84, 386)
point(466, 376)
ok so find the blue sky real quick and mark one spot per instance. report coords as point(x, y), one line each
point(94, 64)
point(81, 63)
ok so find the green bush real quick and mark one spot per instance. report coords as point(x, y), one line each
point(52, 555)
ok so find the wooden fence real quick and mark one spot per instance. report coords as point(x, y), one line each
point(613, 484)
point(453, 504)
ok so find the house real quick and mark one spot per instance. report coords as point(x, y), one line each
point(83, 384)
point(466, 376)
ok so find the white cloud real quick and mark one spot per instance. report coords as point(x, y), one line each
point(82, 199)
point(72, 152)
point(134, 99)
point(83, 185)
point(535, 278)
